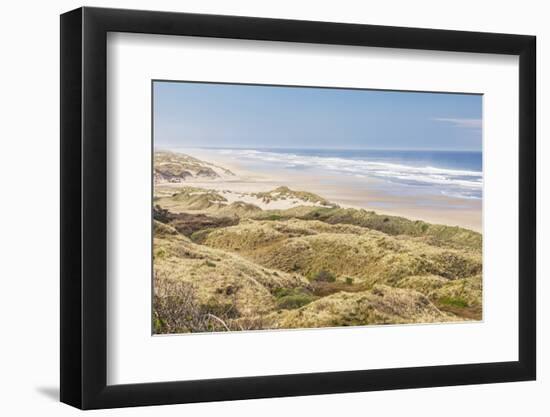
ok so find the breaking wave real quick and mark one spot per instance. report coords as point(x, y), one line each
point(453, 182)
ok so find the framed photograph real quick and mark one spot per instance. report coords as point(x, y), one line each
point(257, 208)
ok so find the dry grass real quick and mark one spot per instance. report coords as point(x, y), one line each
point(306, 267)
point(362, 254)
point(177, 167)
point(381, 305)
point(433, 234)
point(177, 309)
point(462, 297)
point(220, 276)
point(285, 193)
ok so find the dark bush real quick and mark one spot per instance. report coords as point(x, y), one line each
point(160, 214)
point(324, 276)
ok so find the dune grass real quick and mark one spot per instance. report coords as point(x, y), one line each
point(232, 266)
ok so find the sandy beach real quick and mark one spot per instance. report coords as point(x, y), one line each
point(279, 208)
point(346, 191)
point(241, 247)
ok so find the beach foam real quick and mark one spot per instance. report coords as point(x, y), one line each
point(461, 183)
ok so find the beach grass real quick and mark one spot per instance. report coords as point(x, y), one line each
point(227, 261)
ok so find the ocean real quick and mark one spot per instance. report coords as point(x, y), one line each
point(456, 174)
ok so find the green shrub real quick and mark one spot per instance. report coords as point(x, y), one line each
point(454, 302)
point(200, 235)
point(158, 325)
point(274, 217)
point(293, 301)
point(349, 281)
point(160, 253)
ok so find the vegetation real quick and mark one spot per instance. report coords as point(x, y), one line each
point(285, 193)
point(439, 235)
point(176, 167)
point(381, 305)
point(294, 301)
point(454, 302)
point(187, 223)
point(229, 265)
point(323, 276)
point(313, 247)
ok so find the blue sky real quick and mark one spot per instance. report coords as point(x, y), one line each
point(232, 115)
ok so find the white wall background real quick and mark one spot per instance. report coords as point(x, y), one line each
point(29, 173)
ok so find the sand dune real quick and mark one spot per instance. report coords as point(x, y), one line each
point(233, 252)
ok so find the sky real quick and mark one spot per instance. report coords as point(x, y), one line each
point(254, 116)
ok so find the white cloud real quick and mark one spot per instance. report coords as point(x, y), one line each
point(464, 123)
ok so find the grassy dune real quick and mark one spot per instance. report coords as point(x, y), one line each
point(434, 234)
point(361, 253)
point(222, 265)
point(177, 167)
point(285, 193)
point(381, 305)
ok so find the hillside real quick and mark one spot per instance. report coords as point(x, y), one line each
point(203, 289)
point(223, 264)
point(177, 167)
point(186, 198)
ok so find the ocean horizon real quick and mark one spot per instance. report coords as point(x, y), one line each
point(456, 174)
point(291, 208)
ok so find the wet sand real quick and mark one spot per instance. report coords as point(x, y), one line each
point(346, 191)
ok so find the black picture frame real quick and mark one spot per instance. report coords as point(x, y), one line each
point(84, 207)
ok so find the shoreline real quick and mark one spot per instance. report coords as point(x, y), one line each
point(348, 192)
